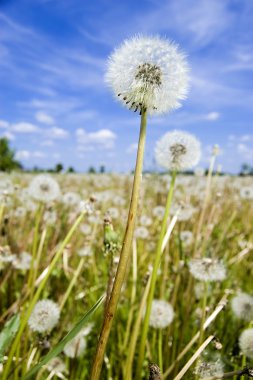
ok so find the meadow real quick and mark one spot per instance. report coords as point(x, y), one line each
point(61, 238)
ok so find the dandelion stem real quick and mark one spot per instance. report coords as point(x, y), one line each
point(203, 316)
point(193, 358)
point(124, 256)
point(159, 251)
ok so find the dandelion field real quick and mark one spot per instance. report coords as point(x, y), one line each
point(203, 291)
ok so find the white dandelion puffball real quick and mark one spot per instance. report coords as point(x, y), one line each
point(246, 342)
point(177, 150)
point(148, 73)
point(45, 316)
point(22, 261)
point(44, 188)
point(242, 306)
point(162, 314)
point(207, 269)
point(76, 346)
point(206, 370)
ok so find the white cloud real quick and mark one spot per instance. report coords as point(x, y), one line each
point(245, 151)
point(25, 154)
point(44, 118)
point(22, 155)
point(4, 124)
point(103, 137)
point(24, 127)
point(57, 133)
point(8, 135)
point(212, 116)
point(245, 138)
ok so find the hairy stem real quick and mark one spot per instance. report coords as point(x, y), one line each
point(124, 256)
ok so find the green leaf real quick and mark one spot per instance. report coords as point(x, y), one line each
point(9, 331)
point(56, 350)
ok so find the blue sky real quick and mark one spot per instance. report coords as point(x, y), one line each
point(55, 107)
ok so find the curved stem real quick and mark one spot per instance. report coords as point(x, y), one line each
point(158, 255)
point(124, 256)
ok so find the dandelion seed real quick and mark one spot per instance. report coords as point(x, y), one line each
point(207, 269)
point(76, 346)
point(85, 251)
point(113, 212)
point(177, 150)
point(20, 212)
point(5, 255)
point(209, 369)
point(22, 261)
point(186, 237)
point(158, 212)
point(85, 229)
point(242, 306)
point(162, 314)
point(246, 192)
point(56, 365)
point(145, 221)
point(141, 233)
point(246, 342)
point(71, 199)
point(44, 316)
point(148, 73)
point(44, 188)
point(50, 217)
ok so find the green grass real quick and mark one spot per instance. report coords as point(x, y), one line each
point(225, 232)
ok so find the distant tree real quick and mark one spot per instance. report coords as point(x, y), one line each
point(71, 170)
point(91, 170)
point(7, 157)
point(58, 168)
point(102, 169)
point(246, 169)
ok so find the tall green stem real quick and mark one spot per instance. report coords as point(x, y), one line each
point(124, 256)
point(158, 255)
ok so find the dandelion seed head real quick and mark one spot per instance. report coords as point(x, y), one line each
point(44, 188)
point(5, 255)
point(162, 314)
point(71, 199)
point(148, 73)
point(246, 342)
point(145, 221)
point(242, 306)
point(141, 232)
point(207, 269)
point(177, 150)
point(22, 261)
point(50, 217)
point(44, 316)
point(56, 365)
point(186, 237)
point(76, 346)
point(158, 212)
point(85, 251)
point(246, 192)
point(206, 369)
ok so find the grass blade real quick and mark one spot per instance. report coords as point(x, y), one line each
point(9, 331)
